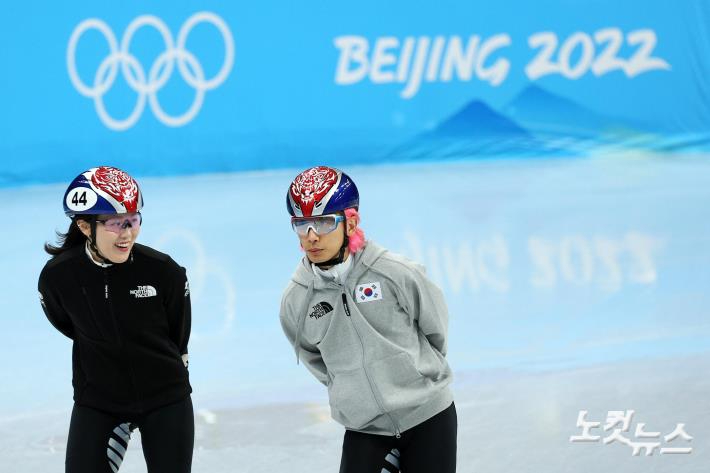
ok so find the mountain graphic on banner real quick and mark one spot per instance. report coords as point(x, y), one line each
point(474, 131)
point(557, 119)
point(477, 119)
point(543, 112)
point(539, 110)
point(536, 123)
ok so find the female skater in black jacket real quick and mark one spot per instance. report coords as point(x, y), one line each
point(126, 308)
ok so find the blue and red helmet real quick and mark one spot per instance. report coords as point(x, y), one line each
point(321, 190)
point(102, 190)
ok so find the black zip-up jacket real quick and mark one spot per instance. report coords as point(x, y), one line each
point(130, 324)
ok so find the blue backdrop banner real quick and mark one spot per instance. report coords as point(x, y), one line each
point(170, 88)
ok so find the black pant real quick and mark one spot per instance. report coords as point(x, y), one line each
point(98, 440)
point(430, 447)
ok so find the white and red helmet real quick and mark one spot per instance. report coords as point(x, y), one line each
point(321, 190)
point(102, 190)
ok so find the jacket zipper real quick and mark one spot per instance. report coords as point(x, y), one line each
point(120, 339)
point(345, 305)
point(367, 375)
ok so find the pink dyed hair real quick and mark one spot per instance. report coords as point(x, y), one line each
point(357, 239)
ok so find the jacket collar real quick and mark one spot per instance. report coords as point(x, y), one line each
point(362, 260)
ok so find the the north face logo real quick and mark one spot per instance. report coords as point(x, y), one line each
point(320, 309)
point(144, 291)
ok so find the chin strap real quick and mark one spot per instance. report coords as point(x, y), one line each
point(92, 242)
point(340, 257)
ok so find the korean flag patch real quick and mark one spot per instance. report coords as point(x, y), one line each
point(371, 291)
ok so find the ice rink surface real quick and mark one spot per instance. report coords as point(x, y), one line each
point(572, 285)
point(508, 423)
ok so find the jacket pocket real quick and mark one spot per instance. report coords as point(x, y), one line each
point(399, 382)
point(433, 365)
point(352, 402)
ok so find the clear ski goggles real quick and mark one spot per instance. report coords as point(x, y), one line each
point(321, 225)
point(120, 223)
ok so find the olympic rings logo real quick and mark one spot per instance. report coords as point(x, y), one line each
point(159, 73)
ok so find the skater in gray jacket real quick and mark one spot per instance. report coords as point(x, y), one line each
point(372, 327)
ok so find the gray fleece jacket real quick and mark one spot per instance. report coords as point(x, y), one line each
point(378, 340)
